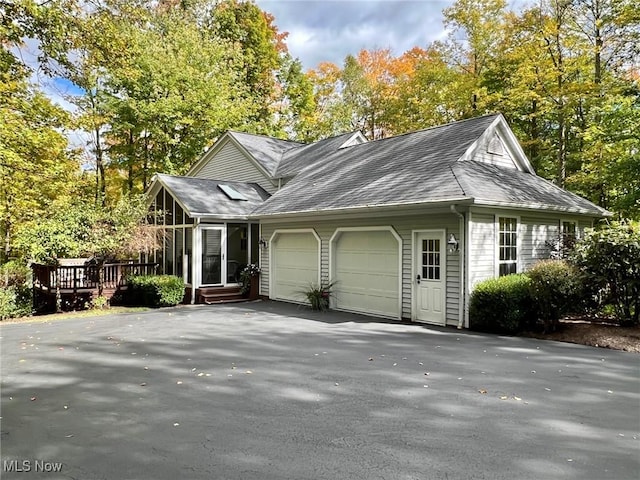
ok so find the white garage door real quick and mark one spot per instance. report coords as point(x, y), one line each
point(366, 266)
point(294, 265)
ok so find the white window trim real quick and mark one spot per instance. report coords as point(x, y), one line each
point(569, 220)
point(274, 237)
point(519, 235)
point(386, 228)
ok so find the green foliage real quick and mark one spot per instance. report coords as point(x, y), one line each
point(15, 301)
point(319, 295)
point(250, 271)
point(501, 305)
point(556, 287)
point(84, 229)
point(100, 302)
point(155, 290)
point(14, 273)
point(610, 258)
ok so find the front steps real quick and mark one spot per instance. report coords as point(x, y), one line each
point(215, 295)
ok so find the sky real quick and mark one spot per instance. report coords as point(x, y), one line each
point(330, 30)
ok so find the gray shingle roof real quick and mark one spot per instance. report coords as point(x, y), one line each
point(296, 159)
point(409, 168)
point(491, 184)
point(419, 167)
point(202, 197)
point(267, 151)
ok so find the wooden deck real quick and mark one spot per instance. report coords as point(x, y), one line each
point(80, 283)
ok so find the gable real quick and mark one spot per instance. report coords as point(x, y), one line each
point(499, 147)
point(227, 162)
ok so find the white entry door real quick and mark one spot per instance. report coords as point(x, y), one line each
point(430, 280)
point(213, 268)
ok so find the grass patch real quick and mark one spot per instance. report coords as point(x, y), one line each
point(52, 317)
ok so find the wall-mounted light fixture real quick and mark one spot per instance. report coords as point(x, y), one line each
point(452, 243)
point(262, 243)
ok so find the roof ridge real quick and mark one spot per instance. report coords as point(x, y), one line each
point(269, 137)
point(435, 127)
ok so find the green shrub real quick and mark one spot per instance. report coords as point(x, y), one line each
point(14, 273)
point(156, 290)
point(556, 289)
point(501, 305)
point(610, 259)
point(15, 301)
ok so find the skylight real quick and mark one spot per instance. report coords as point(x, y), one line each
point(231, 192)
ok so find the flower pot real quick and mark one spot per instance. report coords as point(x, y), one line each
point(254, 288)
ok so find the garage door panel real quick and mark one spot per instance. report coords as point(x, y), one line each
point(295, 265)
point(367, 273)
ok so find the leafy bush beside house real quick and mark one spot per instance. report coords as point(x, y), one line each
point(501, 305)
point(610, 259)
point(155, 290)
point(556, 289)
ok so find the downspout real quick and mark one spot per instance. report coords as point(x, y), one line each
point(462, 251)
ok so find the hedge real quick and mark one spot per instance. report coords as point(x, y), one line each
point(556, 289)
point(155, 290)
point(502, 305)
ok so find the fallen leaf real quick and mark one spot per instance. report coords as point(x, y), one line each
point(337, 384)
point(482, 390)
point(33, 399)
point(503, 397)
point(201, 374)
point(517, 398)
point(66, 407)
point(248, 372)
point(143, 384)
point(371, 359)
point(68, 436)
point(176, 424)
point(179, 382)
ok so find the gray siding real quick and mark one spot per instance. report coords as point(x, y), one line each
point(485, 155)
point(537, 233)
point(404, 226)
point(482, 248)
point(229, 163)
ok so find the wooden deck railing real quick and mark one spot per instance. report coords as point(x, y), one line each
point(85, 277)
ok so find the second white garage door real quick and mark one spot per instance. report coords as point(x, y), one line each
point(294, 265)
point(366, 266)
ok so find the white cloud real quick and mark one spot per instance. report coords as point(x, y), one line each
point(330, 30)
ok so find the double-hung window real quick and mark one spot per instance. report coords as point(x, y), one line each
point(507, 246)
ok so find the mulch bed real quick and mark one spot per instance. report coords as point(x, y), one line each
point(596, 333)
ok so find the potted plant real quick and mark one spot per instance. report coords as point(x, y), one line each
point(249, 280)
point(319, 295)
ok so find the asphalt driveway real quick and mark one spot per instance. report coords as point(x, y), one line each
point(273, 391)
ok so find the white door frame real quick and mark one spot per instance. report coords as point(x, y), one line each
point(223, 253)
point(415, 256)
